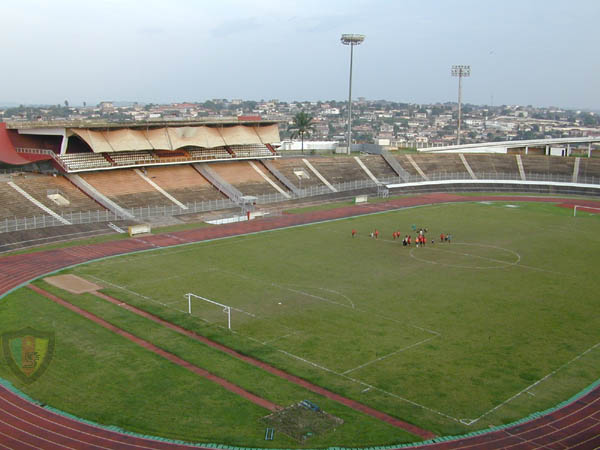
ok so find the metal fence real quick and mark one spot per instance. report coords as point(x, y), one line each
point(152, 212)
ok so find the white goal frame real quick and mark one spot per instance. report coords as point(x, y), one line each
point(226, 309)
point(583, 207)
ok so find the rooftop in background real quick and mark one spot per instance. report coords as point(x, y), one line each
point(104, 124)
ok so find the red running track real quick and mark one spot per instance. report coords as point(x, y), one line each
point(25, 425)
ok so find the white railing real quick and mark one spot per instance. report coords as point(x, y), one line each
point(151, 212)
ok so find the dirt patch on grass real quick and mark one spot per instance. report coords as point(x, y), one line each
point(301, 423)
point(72, 284)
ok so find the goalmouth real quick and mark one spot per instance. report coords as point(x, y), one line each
point(226, 309)
point(584, 208)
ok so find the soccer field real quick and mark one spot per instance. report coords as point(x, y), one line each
point(475, 332)
point(453, 337)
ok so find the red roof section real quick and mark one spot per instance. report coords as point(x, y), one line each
point(9, 155)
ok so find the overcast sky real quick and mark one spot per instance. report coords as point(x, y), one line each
point(542, 53)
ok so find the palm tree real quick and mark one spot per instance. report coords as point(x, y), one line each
point(303, 124)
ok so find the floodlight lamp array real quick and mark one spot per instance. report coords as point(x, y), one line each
point(461, 71)
point(352, 39)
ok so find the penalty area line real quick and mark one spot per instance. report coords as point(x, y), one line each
point(400, 350)
point(526, 389)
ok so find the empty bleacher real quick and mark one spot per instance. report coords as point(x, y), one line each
point(589, 167)
point(406, 165)
point(378, 167)
point(132, 158)
point(291, 167)
point(126, 188)
point(440, 163)
point(79, 161)
point(14, 205)
point(244, 178)
point(199, 154)
point(184, 183)
point(39, 186)
point(555, 165)
point(250, 151)
point(339, 170)
point(490, 164)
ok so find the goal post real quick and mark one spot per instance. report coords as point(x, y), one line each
point(584, 208)
point(226, 308)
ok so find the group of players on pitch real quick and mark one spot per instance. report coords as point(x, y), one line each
point(420, 239)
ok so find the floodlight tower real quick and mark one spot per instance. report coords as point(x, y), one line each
point(351, 40)
point(460, 72)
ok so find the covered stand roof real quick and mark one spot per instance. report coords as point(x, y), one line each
point(173, 138)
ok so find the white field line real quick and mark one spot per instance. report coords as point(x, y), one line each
point(134, 293)
point(505, 263)
point(502, 263)
point(389, 354)
point(159, 189)
point(280, 337)
point(472, 421)
point(360, 310)
point(354, 380)
point(368, 386)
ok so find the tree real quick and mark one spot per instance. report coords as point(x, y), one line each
point(302, 124)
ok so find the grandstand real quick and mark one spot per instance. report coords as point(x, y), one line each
point(145, 171)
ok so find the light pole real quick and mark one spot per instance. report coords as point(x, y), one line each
point(460, 72)
point(351, 40)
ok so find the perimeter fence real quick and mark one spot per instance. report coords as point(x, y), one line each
point(149, 212)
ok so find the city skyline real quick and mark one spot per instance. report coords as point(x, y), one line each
point(528, 53)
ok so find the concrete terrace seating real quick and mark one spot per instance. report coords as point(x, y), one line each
point(378, 167)
point(406, 165)
point(126, 188)
point(287, 165)
point(492, 163)
point(589, 167)
point(78, 161)
point(184, 183)
point(38, 186)
point(244, 178)
point(439, 163)
point(339, 170)
point(14, 205)
point(556, 165)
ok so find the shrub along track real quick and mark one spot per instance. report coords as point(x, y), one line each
point(23, 424)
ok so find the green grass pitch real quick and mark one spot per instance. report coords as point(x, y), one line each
point(453, 337)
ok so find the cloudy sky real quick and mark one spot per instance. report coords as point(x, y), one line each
point(538, 52)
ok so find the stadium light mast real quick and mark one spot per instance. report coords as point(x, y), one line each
point(460, 72)
point(351, 40)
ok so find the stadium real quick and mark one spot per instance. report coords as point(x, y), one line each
point(188, 284)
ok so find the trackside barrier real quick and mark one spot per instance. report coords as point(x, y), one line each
point(361, 199)
point(150, 212)
point(143, 228)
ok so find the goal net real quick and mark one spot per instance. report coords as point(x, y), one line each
point(583, 208)
point(208, 309)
